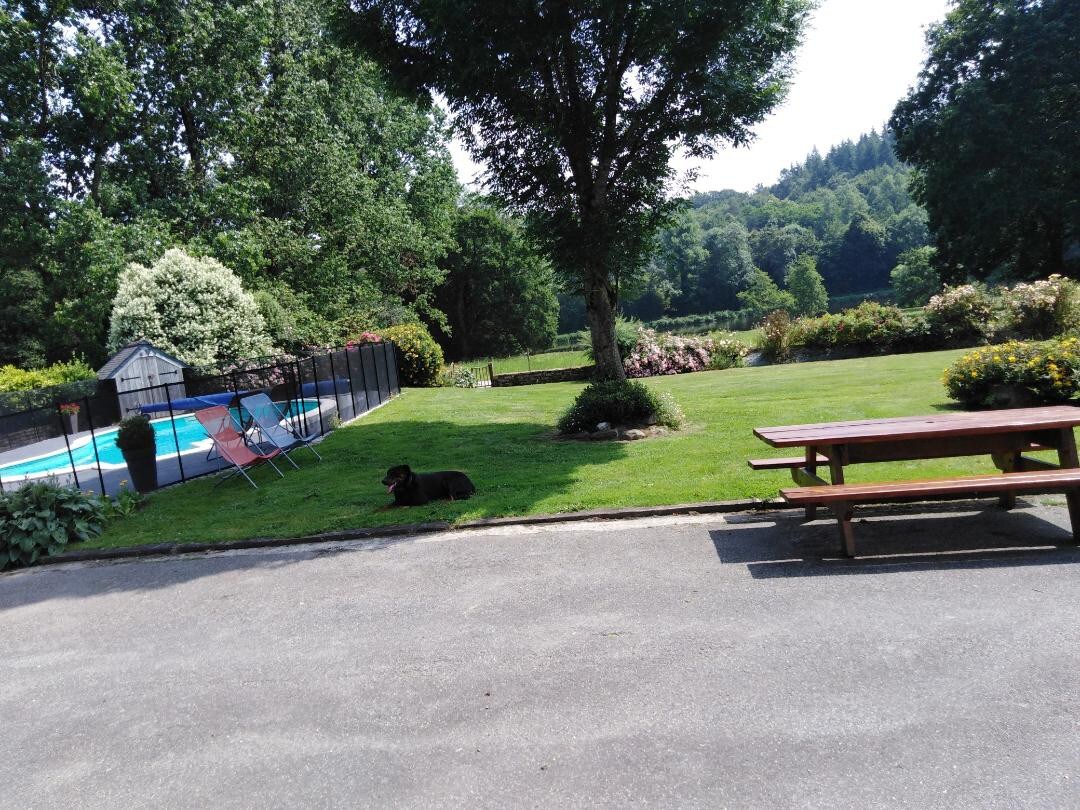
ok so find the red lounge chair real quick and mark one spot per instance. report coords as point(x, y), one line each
point(218, 424)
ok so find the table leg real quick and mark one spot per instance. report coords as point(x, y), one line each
point(1067, 458)
point(811, 467)
point(1007, 463)
point(842, 509)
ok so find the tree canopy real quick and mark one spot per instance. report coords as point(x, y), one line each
point(993, 128)
point(237, 129)
point(577, 109)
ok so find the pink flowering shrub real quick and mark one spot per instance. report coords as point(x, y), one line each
point(663, 353)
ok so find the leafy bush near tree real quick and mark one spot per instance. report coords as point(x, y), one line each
point(869, 327)
point(41, 519)
point(915, 279)
point(194, 308)
point(1041, 309)
point(19, 379)
point(762, 295)
point(806, 286)
point(959, 314)
point(1016, 373)
point(776, 336)
point(618, 402)
point(419, 357)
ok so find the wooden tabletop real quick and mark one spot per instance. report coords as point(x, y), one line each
point(939, 425)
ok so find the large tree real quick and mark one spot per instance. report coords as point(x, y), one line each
point(993, 128)
point(577, 108)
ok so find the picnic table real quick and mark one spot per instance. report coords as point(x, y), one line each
point(1004, 435)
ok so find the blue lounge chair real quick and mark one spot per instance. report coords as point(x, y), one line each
point(275, 428)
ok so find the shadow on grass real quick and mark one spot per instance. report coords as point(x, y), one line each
point(895, 539)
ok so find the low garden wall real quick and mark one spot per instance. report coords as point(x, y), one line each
point(548, 376)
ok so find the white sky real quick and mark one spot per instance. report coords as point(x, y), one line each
point(857, 59)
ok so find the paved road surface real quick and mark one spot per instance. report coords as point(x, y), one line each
point(696, 662)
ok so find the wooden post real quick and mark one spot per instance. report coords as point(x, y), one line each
point(842, 509)
point(1067, 458)
point(811, 467)
point(1007, 463)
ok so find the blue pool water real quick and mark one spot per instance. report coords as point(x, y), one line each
point(189, 434)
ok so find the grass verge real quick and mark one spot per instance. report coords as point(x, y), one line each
point(503, 439)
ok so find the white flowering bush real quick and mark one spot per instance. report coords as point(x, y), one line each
point(1041, 309)
point(959, 313)
point(663, 353)
point(194, 308)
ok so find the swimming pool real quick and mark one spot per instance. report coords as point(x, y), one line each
point(189, 436)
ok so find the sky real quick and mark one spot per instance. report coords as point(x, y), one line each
point(857, 59)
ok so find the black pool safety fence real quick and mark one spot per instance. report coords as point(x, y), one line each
point(74, 442)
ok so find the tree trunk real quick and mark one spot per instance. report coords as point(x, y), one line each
point(600, 303)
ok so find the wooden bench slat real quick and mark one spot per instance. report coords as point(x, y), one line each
point(784, 463)
point(1039, 480)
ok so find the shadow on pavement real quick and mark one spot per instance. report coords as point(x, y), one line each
point(78, 581)
point(896, 538)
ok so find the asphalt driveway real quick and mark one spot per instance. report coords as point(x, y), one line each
point(701, 661)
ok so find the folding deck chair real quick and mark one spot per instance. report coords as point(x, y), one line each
point(275, 428)
point(218, 424)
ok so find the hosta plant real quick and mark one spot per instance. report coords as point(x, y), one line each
point(41, 518)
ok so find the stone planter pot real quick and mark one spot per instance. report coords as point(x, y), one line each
point(142, 467)
point(72, 422)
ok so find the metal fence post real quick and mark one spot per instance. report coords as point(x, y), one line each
point(176, 438)
point(318, 399)
point(67, 444)
point(93, 441)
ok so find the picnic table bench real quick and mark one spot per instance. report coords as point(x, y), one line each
point(1004, 435)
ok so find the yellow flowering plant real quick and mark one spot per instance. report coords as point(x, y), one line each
point(1014, 372)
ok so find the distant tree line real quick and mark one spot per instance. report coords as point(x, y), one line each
point(849, 212)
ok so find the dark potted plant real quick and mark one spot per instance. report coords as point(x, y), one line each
point(135, 438)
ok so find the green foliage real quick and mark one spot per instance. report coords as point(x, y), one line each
point(626, 338)
point(587, 155)
point(1042, 309)
point(194, 308)
point(419, 356)
point(776, 336)
point(959, 314)
point(915, 279)
point(618, 402)
point(136, 434)
point(42, 518)
point(762, 295)
point(991, 128)
point(18, 379)
point(807, 287)
point(1016, 374)
point(867, 328)
point(850, 210)
point(499, 295)
point(231, 129)
point(124, 504)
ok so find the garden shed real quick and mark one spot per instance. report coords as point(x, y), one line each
point(144, 374)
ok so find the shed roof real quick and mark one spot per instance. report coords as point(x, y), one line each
point(124, 354)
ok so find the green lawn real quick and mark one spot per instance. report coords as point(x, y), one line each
point(503, 438)
point(538, 362)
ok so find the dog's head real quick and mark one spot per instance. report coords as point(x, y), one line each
point(395, 476)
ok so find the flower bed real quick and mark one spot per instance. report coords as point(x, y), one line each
point(869, 327)
point(656, 354)
point(1016, 373)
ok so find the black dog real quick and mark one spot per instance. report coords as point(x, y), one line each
point(416, 489)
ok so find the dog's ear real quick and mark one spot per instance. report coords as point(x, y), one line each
point(405, 469)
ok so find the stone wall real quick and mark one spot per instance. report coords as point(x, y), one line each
point(548, 376)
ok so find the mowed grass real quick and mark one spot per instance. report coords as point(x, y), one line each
point(504, 439)
point(537, 362)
